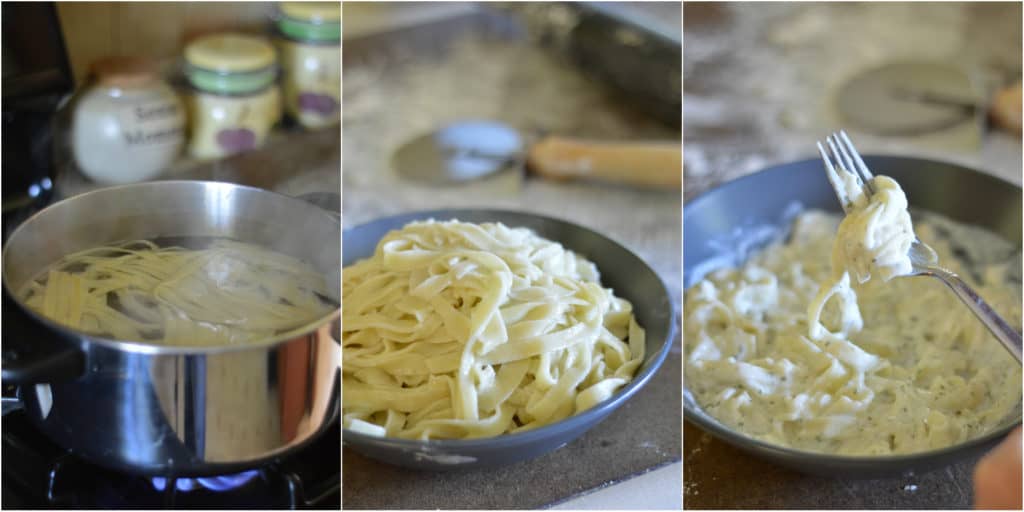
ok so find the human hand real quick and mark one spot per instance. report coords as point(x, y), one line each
point(997, 477)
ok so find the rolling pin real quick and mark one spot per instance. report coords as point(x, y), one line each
point(646, 164)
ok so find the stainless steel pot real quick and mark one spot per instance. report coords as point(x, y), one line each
point(165, 410)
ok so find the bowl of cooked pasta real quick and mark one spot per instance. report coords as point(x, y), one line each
point(795, 358)
point(475, 338)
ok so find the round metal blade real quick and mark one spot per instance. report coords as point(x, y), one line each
point(462, 151)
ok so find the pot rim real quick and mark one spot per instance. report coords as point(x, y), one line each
point(139, 347)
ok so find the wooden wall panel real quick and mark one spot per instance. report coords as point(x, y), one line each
point(157, 29)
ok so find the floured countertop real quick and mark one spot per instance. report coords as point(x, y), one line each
point(761, 80)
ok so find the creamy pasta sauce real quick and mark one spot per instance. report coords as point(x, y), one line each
point(897, 366)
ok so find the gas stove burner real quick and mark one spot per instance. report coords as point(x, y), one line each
point(213, 483)
point(38, 474)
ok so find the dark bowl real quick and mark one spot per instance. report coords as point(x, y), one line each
point(766, 199)
point(621, 270)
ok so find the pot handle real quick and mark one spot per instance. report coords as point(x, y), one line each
point(11, 404)
point(33, 353)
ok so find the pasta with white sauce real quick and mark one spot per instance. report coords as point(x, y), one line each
point(875, 235)
point(887, 367)
point(458, 330)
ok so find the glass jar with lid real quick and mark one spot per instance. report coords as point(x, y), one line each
point(309, 39)
point(127, 124)
point(234, 100)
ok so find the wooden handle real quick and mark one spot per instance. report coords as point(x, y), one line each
point(648, 164)
point(1006, 107)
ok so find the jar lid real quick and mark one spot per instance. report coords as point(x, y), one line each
point(310, 21)
point(124, 71)
point(230, 53)
point(313, 12)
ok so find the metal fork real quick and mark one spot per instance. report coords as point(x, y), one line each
point(841, 156)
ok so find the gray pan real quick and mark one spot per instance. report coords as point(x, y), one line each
point(766, 199)
point(620, 269)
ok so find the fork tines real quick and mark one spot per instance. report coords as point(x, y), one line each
point(841, 155)
point(847, 157)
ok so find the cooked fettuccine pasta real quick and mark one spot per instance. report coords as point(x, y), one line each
point(226, 293)
point(874, 236)
point(457, 330)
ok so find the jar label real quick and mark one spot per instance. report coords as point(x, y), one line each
point(152, 123)
point(225, 125)
point(312, 82)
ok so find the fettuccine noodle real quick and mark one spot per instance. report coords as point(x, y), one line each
point(228, 293)
point(874, 236)
point(459, 330)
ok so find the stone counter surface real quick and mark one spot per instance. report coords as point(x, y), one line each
point(718, 476)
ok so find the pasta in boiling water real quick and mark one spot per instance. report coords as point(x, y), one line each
point(227, 293)
point(459, 330)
